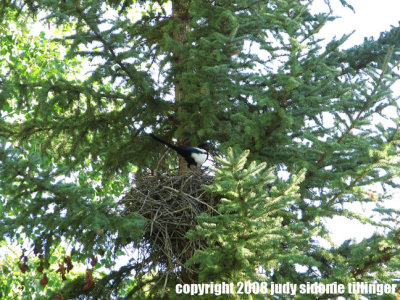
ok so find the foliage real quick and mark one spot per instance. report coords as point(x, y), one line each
point(78, 98)
point(24, 275)
point(248, 230)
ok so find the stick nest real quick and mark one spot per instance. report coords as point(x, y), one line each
point(170, 203)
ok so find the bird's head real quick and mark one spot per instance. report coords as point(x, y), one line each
point(205, 146)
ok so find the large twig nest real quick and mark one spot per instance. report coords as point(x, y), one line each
point(171, 204)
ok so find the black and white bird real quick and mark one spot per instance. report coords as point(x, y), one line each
point(194, 156)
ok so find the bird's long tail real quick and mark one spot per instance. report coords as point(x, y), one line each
point(164, 142)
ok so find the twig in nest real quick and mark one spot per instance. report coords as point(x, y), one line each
point(171, 204)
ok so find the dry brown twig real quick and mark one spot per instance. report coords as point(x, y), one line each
point(170, 203)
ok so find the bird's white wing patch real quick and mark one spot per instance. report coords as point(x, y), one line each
point(200, 158)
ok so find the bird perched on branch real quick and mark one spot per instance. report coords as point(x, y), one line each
point(194, 156)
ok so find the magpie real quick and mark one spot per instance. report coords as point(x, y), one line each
point(194, 156)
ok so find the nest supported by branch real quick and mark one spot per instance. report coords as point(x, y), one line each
point(170, 203)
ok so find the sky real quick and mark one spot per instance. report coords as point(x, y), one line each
point(370, 18)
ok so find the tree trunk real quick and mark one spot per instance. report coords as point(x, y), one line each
point(180, 13)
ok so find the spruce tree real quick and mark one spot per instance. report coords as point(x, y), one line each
point(76, 107)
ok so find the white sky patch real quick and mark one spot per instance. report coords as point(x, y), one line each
point(370, 19)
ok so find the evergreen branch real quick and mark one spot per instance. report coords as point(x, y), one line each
point(117, 276)
point(365, 172)
point(385, 255)
point(392, 138)
point(364, 107)
point(271, 127)
point(139, 286)
point(7, 132)
point(356, 180)
point(104, 42)
point(320, 25)
point(286, 95)
point(251, 5)
point(337, 45)
point(370, 98)
point(293, 185)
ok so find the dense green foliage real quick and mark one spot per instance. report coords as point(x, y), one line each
point(77, 100)
point(248, 224)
